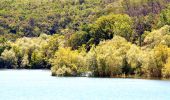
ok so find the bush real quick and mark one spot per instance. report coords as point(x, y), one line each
point(67, 62)
point(9, 59)
point(107, 59)
point(33, 52)
point(166, 69)
point(157, 37)
point(154, 61)
point(134, 59)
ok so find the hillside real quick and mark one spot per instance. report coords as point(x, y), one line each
point(34, 17)
point(71, 37)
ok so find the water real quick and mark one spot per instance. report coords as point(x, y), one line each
point(39, 85)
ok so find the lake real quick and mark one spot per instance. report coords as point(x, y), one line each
point(39, 85)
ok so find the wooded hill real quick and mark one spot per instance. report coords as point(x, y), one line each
point(105, 37)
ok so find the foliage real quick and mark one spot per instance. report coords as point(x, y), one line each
point(67, 62)
point(107, 58)
point(33, 52)
point(106, 27)
point(9, 58)
point(154, 61)
point(143, 7)
point(107, 38)
point(164, 17)
point(134, 59)
point(157, 37)
point(166, 69)
point(33, 17)
point(78, 39)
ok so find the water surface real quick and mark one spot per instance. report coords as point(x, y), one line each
point(39, 85)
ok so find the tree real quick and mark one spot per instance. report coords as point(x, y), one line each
point(106, 27)
point(157, 37)
point(9, 58)
point(154, 61)
point(37, 60)
point(3, 44)
point(91, 59)
point(107, 59)
point(134, 59)
point(66, 62)
point(25, 62)
point(79, 39)
point(163, 17)
point(166, 69)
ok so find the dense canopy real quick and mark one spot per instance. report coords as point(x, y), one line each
point(102, 38)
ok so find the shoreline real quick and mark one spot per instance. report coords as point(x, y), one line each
point(114, 77)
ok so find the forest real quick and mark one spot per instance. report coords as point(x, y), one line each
point(108, 38)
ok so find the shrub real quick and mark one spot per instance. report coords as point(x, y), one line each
point(66, 62)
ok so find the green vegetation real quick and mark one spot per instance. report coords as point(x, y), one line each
point(67, 62)
point(107, 38)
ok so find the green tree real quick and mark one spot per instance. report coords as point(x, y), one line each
point(66, 62)
point(9, 58)
point(106, 27)
point(166, 69)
